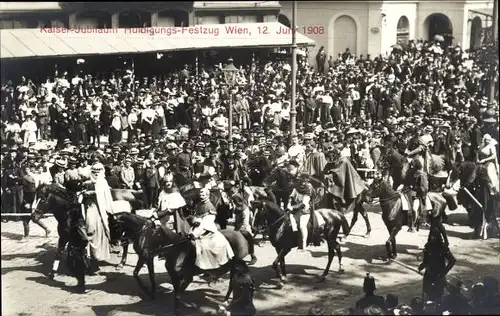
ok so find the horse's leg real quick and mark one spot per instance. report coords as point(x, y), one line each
point(331, 241)
point(151, 271)
point(282, 262)
point(140, 263)
point(393, 242)
point(55, 265)
point(354, 218)
point(364, 214)
point(230, 288)
point(339, 255)
point(124, 255)
point(277, 269)
point(388, 243)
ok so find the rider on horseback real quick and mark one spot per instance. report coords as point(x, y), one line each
point(423, 151)
point(212, 248)
point(300, 201)
point(419, 186)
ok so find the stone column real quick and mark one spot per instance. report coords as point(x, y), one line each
point(72, 22)
point(154, 19)
point(115, 20)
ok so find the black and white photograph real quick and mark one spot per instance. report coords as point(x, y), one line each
point(250, 158)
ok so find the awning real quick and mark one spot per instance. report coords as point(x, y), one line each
point(217, 5)
point(10, 7)
point(22, 43)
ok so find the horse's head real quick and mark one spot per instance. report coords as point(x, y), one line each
point(376, 187)
point(116, 228)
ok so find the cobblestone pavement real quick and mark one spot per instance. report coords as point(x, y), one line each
point(27, 291)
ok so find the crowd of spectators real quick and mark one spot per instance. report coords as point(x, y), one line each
point(482, 298)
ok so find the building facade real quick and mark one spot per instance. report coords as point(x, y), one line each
point(365, 27)
point(372, 27)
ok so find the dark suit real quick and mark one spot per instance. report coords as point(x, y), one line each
point(184, 166)
point(151, 185)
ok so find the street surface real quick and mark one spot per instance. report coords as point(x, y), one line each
point(26, 290)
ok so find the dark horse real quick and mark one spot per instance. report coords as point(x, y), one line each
point(284, 239)
point(180, 252)
point(395, 217)
point(393, 164)
point(482, 216)
point(58, 200)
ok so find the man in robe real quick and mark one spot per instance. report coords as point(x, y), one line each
point(212, 248)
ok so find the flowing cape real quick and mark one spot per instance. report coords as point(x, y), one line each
point(347, 183)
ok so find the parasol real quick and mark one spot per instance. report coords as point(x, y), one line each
point(397, 46)
point(439, 38)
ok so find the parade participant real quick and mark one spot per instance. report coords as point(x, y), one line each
point(243, 287)
point(422, 152)
point(487, 156)
point(29, 194)
point(370, 298)
point(300, 201)
point(12, 187)
point(315, 160)
point(212, 248)
point(437, 262)
point(280, 183)
point(169, 201)
point(421, 204)
point(242, 223)
point(98, 206)
point(455, 303)
point(77, 259)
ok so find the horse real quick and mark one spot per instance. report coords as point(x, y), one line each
point(395, 217)
point(395, 165)
point(482, 216)
point(180, 251)
point(284, 238)
point(56, 200)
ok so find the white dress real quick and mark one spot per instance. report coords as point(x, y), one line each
point(492, 165)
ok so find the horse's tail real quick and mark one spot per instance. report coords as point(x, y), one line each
point(345, 225)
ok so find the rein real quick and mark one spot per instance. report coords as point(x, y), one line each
point(393, 198)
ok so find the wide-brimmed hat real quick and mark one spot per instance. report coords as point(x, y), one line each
point(61, 163)
point(454, 281)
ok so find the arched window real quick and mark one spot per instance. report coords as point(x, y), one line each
point(284, 20)
point(403, 30)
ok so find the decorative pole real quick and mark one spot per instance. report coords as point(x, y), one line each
point(230, 72)
point(493, 57)
point(293, 111)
